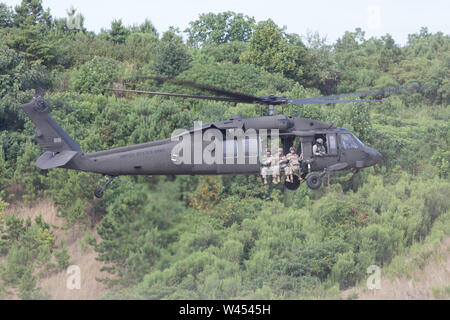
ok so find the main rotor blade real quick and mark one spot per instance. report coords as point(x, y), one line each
point(386, 91)
point(187, 83)
point(179, 95)
point(324, 101)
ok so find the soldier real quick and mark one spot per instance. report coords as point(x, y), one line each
point(284, 164)
point(275, 166)
point(318, 148)
point(294, 165)
point(265, 166)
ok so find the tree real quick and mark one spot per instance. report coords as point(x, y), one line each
point(5, 174)
point(6, 16)
point(270, 51)
point(95, 76)
point(171, 55)
point(145, 27)
point(390, 54)
point(220, 28)
point(360, 121)
point(27, 285)
point(28, 40)
point(62, 257)
point(118, 33)
point(32, 22)
point(31, 12)
point(27, 174)
point(320, 70)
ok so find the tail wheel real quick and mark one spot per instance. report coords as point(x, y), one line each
point(314, 181)
point(292, 185)
point(98, 192)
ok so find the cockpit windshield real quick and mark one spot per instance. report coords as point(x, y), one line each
point(347, 142)
point(359, 141)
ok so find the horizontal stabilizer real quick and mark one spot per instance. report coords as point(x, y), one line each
point(50, 159)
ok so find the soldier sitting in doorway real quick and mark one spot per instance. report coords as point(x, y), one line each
point(293, 166)
point(284, 164)
point(275, 166)
point(266, 162)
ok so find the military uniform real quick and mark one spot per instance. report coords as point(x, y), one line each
point(276, 163)
point(318, 150)
point(287, 168)
point(266, 162)
point(294, 163)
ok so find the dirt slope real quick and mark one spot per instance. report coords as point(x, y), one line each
point(81, 255)
point(431, 281)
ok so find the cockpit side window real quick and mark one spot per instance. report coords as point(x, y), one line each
point(347, 141)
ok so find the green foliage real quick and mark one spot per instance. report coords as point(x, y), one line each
point(27, 250)
point(345, 271)
point(28, 41)
point(118, 32)
point(31, 12)
point(145, 27)
point(62, 258)
point(137, 223)
point(441, 159)
point(5, 173)
point(16, 76)
point(247, 77)
point(171, 55)
point(6, 16)
point(95, 76)
point(270, 50)
point(27, 285)
point(225, 52)
point(220, 28)
point(27, 174)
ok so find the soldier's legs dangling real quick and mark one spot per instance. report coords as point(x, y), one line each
point(296, 170)
point(263, 175)
point(288, 173)
point(275, 174)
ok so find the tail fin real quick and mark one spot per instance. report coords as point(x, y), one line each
point(59, 146)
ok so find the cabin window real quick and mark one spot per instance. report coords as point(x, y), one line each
point(332, 145)
point(347, 141)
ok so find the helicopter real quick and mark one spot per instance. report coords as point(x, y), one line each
point(233, 156)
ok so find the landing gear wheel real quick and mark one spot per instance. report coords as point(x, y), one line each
point(98, 192)
point(293, 185)
point(314, 181)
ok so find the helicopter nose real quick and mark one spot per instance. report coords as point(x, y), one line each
point(374, 156)
point(378, 157)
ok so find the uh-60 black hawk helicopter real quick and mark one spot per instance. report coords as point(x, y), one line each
point(343, 150)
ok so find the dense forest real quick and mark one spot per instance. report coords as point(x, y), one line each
point(203, 237)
